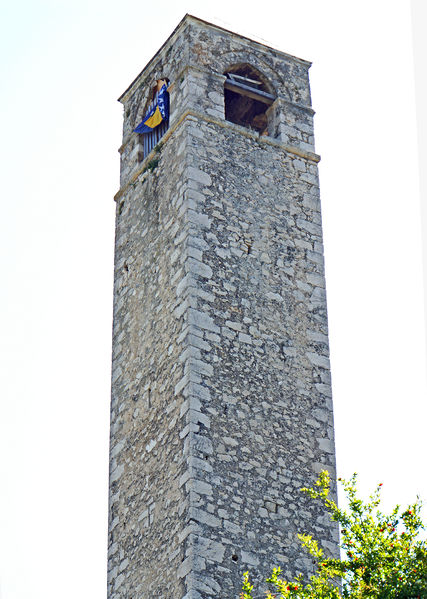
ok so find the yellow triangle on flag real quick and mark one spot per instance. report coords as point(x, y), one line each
point(155, 119)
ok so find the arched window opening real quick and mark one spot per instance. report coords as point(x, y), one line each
point(247, 98)
point(156, 118)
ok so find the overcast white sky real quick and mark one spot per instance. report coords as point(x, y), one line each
point(63, 64)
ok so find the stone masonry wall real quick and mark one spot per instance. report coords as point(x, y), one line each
point(258, 368)
point(221, 401)
point(146, 449)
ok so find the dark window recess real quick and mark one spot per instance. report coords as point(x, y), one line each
point(247, 99)
point(149, 140)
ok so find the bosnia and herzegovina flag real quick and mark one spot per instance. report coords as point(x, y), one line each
point(156, 114)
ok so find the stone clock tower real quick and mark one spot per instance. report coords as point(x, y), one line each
point(221, 399)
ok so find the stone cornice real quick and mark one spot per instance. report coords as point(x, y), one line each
point(310, 156)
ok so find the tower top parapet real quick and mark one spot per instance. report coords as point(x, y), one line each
point(163, 54)
point(215, 73)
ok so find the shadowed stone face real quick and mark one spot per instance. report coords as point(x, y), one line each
point(221, 400)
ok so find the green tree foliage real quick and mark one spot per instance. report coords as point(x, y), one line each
point(384, 556)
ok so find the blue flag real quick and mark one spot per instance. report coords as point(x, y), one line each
point(156, 114)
